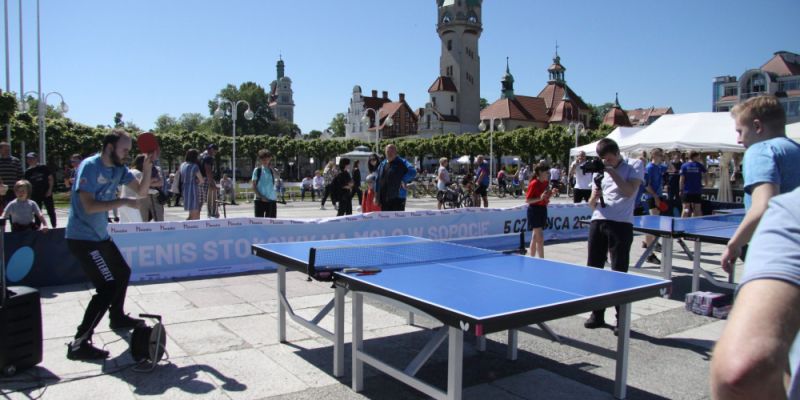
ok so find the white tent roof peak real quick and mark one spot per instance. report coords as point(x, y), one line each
point(703, 131)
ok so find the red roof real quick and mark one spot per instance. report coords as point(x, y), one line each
point(616, 117)
point(391, 109)
point(521, 108)
point(566, 110)
point(641, 116)
point(443, 84)
point(780, 66)
point(728, 98)
point(554, 92)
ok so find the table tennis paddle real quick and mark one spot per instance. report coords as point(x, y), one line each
point(147, 142)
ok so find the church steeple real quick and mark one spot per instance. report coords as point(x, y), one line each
point(507, 84)
point(280, 67)
point(556, 70)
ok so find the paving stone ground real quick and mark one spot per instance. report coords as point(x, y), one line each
point(222, 342)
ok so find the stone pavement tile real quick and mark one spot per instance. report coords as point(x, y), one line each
point(200, 282)
point(160, 287)
point(250, 374)
point(181, 378)
point(337, 391)
point(269, 306)
point(60, 320)
point(161, 302)
point(54, 359)
point(204, 337)
point(703, 336)
point(543, 384)
point(669, 322)
point(301, 287)
point(240, 279)
point(252, 292)
point(488, 391)
point(262, 330)
point(316, 301)
point(214, 296)
point(210, 313)
point(313, 366)
point(57, 294)
point(100, 387)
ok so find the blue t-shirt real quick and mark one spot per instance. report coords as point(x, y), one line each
point(775, 254)
point(771, 161)
point(102, 181)
point(484, 167)
point(692, 173)
point(266, 185)
point(653, 178)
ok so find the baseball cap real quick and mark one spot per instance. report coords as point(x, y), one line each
point(31, 155)
point(212, 146)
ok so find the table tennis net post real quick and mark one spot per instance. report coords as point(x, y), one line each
point(330, 259)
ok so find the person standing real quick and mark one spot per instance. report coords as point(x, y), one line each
point(94, 194)
point(368, 204)
point(357, 181)
point(673, 178)
point(342, 188)
point(265, 202)
point(653, 186)
point(372, 163)
point(10, 171)
point(318, 184)
point(191, 180)
point(481, 182)
point(537, 198)
point(227, 189)
point(770, 165)
point(42, 182)
point(174, 189)
point(442, 182)
point(69, 175)
point(759, 347)
point(209, 188)
point(583, 181)
point(611, 228)
point(691, 186)
point(328, 174)
point(393, 174)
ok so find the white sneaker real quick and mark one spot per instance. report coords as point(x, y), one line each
point(321, 207)
point(358, 208)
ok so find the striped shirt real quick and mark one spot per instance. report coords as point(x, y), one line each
point(10, 170)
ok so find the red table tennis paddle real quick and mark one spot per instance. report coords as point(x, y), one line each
point(147, 142)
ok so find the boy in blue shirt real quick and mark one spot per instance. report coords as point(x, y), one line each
point(653, 186)
point(770, 165)
point(691, 186)
point(94, 194)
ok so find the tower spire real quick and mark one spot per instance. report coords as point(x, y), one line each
point(507, 83)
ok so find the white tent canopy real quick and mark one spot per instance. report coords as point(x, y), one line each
point(793, 131)
point(618, 135)
point(704, 132)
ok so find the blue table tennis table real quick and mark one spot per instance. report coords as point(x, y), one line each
point(716, 229)
point(468, 288)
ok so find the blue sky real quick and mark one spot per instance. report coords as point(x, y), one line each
point(148, 57)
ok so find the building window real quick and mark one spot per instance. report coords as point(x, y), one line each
point(731, 91)
point(452, 112)
point(449, 71)
point(452, 98)
point(793, 84)
point(449, 45)
point(433, 100)
point(792, 108)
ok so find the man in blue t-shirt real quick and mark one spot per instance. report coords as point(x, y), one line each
point(263, 183)
point(653, 186)
point(482, 182)
point(770, 165)
point(94, 193)
point(751, 356)
point(691, 186)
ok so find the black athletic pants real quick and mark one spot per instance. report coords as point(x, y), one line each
point(266, 209)
point(48, 204)
point(609, 237)
point(104, 266)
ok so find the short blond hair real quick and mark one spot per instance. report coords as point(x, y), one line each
point(442, 160)
point(767, 109)
point(23, 183)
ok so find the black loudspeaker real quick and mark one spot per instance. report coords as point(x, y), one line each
point(20, 330)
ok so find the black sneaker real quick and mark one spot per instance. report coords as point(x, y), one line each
point(658, 247)
point(653, 259)
point(85, 351)
point(125, 322)
point(594, 323)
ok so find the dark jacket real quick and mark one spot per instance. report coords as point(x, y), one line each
point(391, 175)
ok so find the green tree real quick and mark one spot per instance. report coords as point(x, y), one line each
point(315, 134)
point(165, 123)
point(597, 113)
point(253, 94)
point(484, 103)
point(118, 120)
point(191, 122)
point(337, 125)
point(8, 105)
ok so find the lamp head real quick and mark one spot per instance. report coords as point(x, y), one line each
point(248, 115)
point(365, 119)
point(501, 127)
point(482, 126)
point(218, 113)
point(64, 107)
point(389, 121)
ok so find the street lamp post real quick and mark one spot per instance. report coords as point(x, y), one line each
point(42, 111)
point(248, 114)
point(365, 121)
point(577, 129)
point(501, 128)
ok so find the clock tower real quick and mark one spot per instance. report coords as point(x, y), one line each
point(459, 27)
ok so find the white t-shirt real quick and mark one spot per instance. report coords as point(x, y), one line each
point(555, 174)
point(582, 181)
point(128, 193)
point(441, 184)
point(619, 208)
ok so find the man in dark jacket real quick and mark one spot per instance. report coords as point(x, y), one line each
point(393, 174)
point(42, 181)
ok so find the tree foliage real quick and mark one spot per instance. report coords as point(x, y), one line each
point(337, 125)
